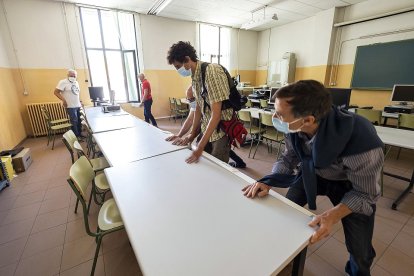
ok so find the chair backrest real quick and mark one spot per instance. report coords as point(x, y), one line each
point(82, 174)
point(178, 102)
point(45, 114)
point(70, 138)
point(249, 103)
point(77, 146)
point(263, 103)
point(406, 120)
point(245, 116)
point(266, 119)
point(372, 115)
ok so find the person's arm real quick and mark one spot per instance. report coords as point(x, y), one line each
point(145, 97)
point(58, 94)
point(184, 129)
point(363, 171)
point(211, 126)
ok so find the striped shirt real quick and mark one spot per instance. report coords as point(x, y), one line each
point(217, 91)
point(362, 170)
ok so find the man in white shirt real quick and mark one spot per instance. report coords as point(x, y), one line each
point(67, 90)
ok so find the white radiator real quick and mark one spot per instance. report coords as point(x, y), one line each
point(38, 121)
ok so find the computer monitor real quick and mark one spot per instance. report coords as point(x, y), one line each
point(403, 93)
point(271, 101)
point(341, 97)
point(96, 93)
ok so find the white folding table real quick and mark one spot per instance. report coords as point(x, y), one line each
point(132, 144)
point(400, 138)
point(102, 124)
point(96, 112)
point(192, 219)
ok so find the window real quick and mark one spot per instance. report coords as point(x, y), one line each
point(215, 44)
point(110, 44)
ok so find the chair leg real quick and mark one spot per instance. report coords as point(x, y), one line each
point(98, 245)
point(76, 206)
point(278, 150)
point(398, 154)
point(251, 144)
point(90, 200)
point(257, 146)
point(53, 143)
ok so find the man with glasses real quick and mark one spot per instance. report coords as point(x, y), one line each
point(329, 152)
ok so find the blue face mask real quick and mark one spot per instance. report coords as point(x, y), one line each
point(184, 72)
point(284, 126)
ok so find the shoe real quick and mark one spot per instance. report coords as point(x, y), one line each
point(235, 165)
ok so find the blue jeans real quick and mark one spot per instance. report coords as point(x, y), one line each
point(147, 112)
point(358, 228)
point(74, 116)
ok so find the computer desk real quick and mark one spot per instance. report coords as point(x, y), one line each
point(135, 143)
point(192, 219)
point(400, 138)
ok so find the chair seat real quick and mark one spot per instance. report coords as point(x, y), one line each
point(98, 164)
point(109, 216)
point(61, 126)
point(59, 121)
point(273, 135)
point(253, 130)
point(101, 181)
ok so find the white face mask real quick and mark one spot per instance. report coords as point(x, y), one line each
point(284, 126)
point(193, 104)
point(72, 79)
point(184, 72)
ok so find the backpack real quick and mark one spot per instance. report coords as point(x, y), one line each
point(235, 101)
point(235, 130)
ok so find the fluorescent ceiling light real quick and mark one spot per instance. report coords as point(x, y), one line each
point(158, 6)
point(254, 23)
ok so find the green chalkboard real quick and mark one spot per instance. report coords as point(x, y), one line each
point(380, 66)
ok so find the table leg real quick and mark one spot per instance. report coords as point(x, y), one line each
point(405, 192)
point(299, 263)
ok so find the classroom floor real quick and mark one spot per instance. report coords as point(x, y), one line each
point(41, 235)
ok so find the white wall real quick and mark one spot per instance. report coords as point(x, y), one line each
point(4, 42)
point(158, 34)
point(393, 28)
point(244, 47)
point(309, 39)
point(39, 33)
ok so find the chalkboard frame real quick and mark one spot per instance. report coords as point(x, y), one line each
point(356, 83)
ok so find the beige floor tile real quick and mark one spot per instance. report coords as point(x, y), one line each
point(78, 251)
point(58, 181)
point(15, 230)
point(76, 229)
point(50, 219)
point(405, 243)
point(396, 262)
point(84, 269)
point(27, 199)
point(386, 230)
point(58, 192)
point(43, 264)
point(390, 214)
point(121, 261)
point(7, 203)
point(379, 271)
point(335, 253)
point(316, 266)
point(44, 240)
point(8, 270)
point(115, 240)
point(11, 252)
point(21, 213)
point(34, 187)
point(11, 192)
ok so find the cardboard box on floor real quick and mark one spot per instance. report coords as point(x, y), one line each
point(7, 163)
point(22, 160)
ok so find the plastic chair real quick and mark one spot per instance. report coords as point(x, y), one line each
point(98, 164)
point(249, 104)
point(263, 103)
point(53, 126)
point(69, 139)
point(372, 115)
point(269, 134)
point(405, 121)
point(173, 110)
point(109, 218)
point(254, 131)
point(181, 109)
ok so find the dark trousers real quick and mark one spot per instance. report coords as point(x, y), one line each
point(147, 112)
point(74, 116)
point(236, 158)
point(358, 228)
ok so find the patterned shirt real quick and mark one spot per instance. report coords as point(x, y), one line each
point(362, 170)
point(217, 86)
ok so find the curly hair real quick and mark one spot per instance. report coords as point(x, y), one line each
point(308, 97)
point(178, 51)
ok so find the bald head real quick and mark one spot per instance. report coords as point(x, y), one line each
point(72, 73)
point(141, 76)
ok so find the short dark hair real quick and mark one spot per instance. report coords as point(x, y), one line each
point(178, 51)
point(308, 97)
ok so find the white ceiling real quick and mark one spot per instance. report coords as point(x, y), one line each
point(227, 12)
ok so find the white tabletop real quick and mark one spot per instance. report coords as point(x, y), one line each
point(396, 137)
point(95, 112)
point(102, 124)
point(192, 219)
point(132, 144)
point(254, 112)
